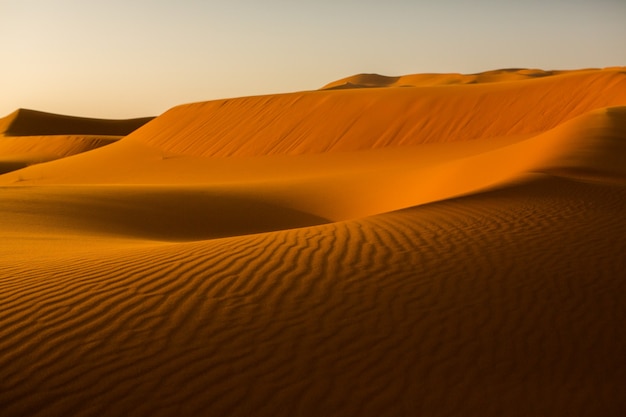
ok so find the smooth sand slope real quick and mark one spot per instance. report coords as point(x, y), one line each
point(361, 119)
point(29, 137)
point(441, 249)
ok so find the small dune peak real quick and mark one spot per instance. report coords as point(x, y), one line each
point(439, 79)
point(503, 71)
point(7, 121)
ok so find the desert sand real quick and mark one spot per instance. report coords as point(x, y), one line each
point(423, 245)
point(28, 137)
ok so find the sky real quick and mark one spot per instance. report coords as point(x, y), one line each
point(131, 58)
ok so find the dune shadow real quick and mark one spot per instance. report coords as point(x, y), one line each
point(25, 122)
point(168, 213)
point(9, 166)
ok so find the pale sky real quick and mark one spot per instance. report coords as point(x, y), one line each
point(131, 58)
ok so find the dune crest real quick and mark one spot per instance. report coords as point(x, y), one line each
point(29, 137)
point(22, 151)
point(357, 119)
point(451, 248)
point(25, 122)
point(321, 187)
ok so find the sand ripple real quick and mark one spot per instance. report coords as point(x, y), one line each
point(367, 317)
point(310, 255)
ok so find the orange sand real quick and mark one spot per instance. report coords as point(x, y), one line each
point(28, 137)
point(431, 245)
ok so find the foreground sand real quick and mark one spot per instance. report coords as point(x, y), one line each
point(435, 250)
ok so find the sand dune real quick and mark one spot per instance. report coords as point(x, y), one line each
point(420, 80)
point(331, 186)
point(466, 306)
point(435, 250)
point(29, 137)
point(24, 122)
point(21, 151)
point(358, 119)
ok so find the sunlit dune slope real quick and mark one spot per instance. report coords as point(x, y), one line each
point(434, 250)
point(229, 196)
point(420, 80)
point(356, 119)
point(313, 186)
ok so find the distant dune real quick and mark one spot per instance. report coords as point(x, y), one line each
point(421, 80)
point(423, 245)
point(358, 119)
point(28, 137)
point(24, 122)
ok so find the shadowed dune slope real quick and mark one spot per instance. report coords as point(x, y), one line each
point(420, 80)
point(229, 196)
point(469, 306)
point(24, 122)
point(29, 137)
point(437, 251)
point(171, 213)
point(357, 119)
point(22, 151)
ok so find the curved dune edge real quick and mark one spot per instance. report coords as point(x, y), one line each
point(462, 278)
point(350, 120)
point(505, 295)
point(254, 195)
point(23, 151)
point(334, 121)
point(421, 80)
point(29, 137)
point(25, 122)
point(174, 213)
